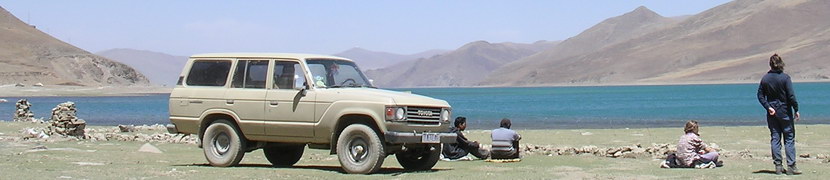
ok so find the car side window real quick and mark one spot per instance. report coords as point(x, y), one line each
point(208, 73)
point(288, 75)
point(250, 74)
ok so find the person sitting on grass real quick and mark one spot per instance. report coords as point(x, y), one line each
point(692, 152)
point(505, 142)
point(462, 146)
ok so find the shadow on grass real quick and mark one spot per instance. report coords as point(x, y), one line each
point(338, 169)
point(764, 172)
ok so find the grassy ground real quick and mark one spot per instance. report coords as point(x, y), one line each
point(121, 160)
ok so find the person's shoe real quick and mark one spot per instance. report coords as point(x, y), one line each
point(719, 163)
point(665, 164)
point(705, 165)
point(465, 158)
point(779, 169)
point(792, 170)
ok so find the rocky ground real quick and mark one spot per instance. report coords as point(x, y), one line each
point(147, 151)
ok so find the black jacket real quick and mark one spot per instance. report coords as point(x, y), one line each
point(776, 91)
point(460, 147)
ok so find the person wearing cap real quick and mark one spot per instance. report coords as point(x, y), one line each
point(505, 141)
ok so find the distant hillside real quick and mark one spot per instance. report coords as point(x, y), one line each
point(160, 68)
point(465, 66)
point(729, 43)
point(30, 56)
point(367, 59)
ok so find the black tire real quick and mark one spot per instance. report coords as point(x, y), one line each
point(360, 150)
point(419, 159)
point(284, 156)
point(222, 144)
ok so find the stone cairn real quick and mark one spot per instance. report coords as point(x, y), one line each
point(64, 121)
point(24, 111)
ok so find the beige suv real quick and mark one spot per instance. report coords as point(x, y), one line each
point(241, 102)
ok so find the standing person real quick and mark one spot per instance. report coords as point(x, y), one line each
point(462, 146)
point(505, 141)
point(778, 98)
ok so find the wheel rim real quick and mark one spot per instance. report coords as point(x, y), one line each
point(358, 150)
point(221, 143)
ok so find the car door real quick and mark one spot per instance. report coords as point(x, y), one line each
point(246, 95)
point(289, 107)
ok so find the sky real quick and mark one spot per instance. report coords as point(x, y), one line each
point(186, 27)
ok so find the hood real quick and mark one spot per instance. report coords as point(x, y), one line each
point(398, 98)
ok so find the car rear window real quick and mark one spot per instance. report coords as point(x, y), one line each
point(250, 74)
point(208, 73)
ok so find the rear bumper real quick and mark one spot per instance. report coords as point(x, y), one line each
point(412, 137)
point(171, 128)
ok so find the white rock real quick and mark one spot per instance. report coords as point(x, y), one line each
point(149, 148)
point(587, 133)
point(88, 163)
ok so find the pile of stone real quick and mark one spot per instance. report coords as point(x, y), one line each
point(633, 151)
point(64, 122)
point(135, 133)
point(24, 111)
point(141, 137)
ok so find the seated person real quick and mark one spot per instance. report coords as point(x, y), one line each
point(505, 142)
point(692, 152)
point(462, 146)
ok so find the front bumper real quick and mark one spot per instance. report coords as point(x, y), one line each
point(413, 137)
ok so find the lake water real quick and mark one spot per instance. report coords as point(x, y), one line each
point(528, 107)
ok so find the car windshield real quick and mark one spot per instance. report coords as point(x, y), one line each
point(328, 73)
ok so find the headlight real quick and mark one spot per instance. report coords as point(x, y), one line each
point(395, 113)
point(399, 115)
point(445, 115)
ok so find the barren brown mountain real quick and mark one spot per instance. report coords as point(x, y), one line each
point(728, 43)
point(29, 56)
point(465, 66)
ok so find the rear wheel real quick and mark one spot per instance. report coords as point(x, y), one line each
point(222, 144)
point(281, 156)
point(420, 158)
point(359, 149)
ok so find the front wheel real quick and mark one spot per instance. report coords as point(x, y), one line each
point(360, 150)
point(419, 159)
point(282, 156)
point(222, 144)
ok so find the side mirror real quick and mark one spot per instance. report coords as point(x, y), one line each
point(304, 90)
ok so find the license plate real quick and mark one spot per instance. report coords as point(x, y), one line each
point(430, 138)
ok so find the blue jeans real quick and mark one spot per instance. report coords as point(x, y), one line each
point(777, 129)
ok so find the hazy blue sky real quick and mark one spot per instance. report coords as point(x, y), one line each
point(323, 27)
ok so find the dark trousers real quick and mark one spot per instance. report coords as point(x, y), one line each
point(501, 154)
point(780, 128)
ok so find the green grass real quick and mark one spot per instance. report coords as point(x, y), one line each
point(120, 160)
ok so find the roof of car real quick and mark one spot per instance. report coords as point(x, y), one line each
point(266, 55)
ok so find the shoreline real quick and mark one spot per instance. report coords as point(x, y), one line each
point(58, 90)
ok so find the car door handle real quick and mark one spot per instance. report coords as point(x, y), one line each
point(274, 103)
point(229, 101)
point(196, 101)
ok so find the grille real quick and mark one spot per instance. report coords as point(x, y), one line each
point(423, 115)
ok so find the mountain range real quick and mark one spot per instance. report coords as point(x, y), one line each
point(29, 56)
point(160, 68)
point(725, 44)
point(728, 43)
point(367, 59)
point(465, 66)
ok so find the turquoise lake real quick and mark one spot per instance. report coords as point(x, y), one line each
point(528, 107)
